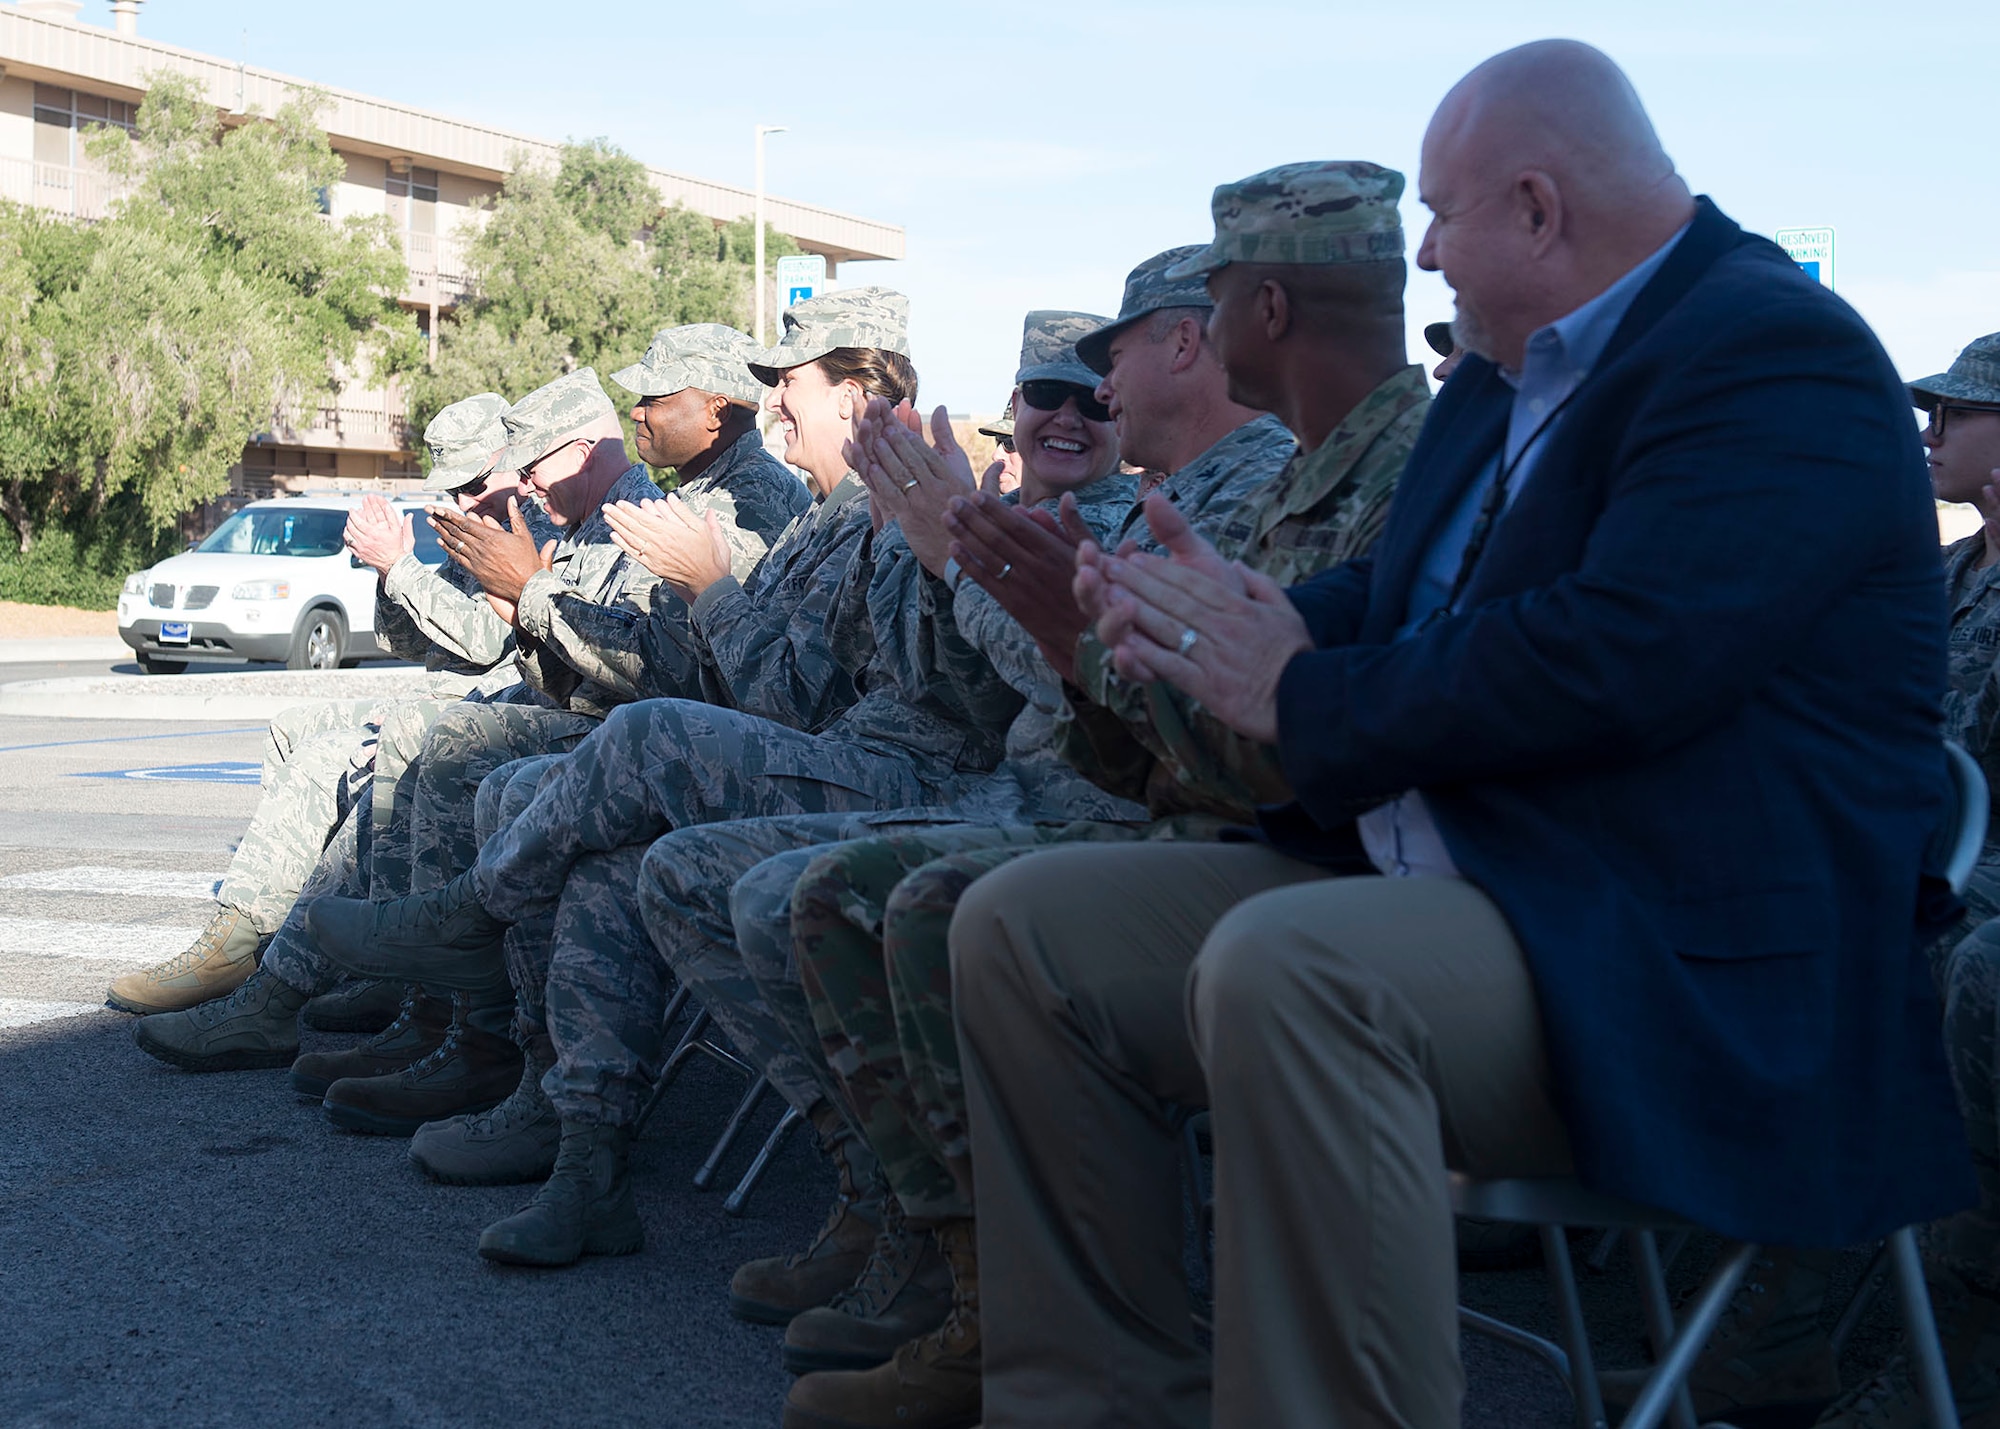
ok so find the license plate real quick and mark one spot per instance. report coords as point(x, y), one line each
point(174, 632)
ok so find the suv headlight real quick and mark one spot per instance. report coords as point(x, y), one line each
point(262, 590)
point(135, 584)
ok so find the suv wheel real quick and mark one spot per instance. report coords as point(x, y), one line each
point(318, 643)
point(154, 665)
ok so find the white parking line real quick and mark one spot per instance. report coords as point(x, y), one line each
point(130, 882)
point(20, 1012)
point(134, 944)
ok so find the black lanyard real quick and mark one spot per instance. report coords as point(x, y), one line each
point(1491, 507)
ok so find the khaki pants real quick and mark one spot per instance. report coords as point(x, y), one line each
point(1353, 1036)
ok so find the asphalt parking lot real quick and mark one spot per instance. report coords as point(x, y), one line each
point(206, 1250)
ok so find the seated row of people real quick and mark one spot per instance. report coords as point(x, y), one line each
point(1466, 784)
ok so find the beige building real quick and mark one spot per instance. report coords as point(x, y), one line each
point(59, 76)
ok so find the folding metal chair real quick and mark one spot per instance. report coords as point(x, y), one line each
point(697, 1037)
point(1550, 1204)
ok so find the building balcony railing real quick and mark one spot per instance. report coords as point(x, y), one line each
point(356, 423)
point(79, 193)
point(437, 269)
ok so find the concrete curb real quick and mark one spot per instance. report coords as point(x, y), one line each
point(38, 650)
point(199, 697)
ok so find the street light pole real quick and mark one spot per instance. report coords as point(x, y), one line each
point(762, 130)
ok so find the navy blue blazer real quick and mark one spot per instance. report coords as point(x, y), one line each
point(1684, 732)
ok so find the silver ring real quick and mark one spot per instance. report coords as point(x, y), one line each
point(910, 485)
point(1003, 571)
point(1188, 639)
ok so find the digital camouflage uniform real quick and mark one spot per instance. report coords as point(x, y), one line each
point(1966, 963)
point(316, 754)
point(602, 632)
point(869, 920)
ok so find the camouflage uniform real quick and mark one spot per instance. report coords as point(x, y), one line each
point(436, 618)
point(869, 919)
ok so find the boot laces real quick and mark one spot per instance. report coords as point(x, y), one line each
point(438, 1055)
point(522, 1107)
point(406, 1013)
point(838, 1213)
point(201, 950)
point(876, 1286)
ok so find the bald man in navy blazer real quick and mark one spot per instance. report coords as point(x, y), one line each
point(1635, 712)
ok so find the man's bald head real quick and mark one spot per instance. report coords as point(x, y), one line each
point(1547, 182)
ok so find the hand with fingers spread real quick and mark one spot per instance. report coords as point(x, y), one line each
point(1026, 560)
point(1214, 629)
point(1987, 502)
point(501, 558)
point(688, 552)
point(909, 481)
point(377, 537)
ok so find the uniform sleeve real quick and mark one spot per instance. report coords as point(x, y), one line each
point(601, 641)
point(773, 655)
point(424, 613)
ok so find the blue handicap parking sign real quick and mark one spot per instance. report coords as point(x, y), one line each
point(220, 771)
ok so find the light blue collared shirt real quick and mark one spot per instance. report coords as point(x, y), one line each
point(1400, 836)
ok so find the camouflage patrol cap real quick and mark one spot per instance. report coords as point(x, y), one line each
point(853, 317)
point(709, 357)
point(1001, 427)
point(464, 439)
point(1326, 211)
point(1974, 377)
point(1048, 347)
point(1438, 335)
point(549, 416)
point(1147, 290)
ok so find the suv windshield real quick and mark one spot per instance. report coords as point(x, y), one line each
point(269, 531)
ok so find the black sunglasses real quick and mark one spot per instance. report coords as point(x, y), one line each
point(1046, 394)
point(1943, 409)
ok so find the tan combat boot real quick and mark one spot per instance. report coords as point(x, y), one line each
point(931, 1383)
point(1968, 1321)
point(220, 961)
point(902, 1292)
point(775, 1290)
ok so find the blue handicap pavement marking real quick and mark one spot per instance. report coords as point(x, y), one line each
point(219, 771)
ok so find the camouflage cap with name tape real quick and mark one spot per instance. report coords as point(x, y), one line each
point(1147, 291)
point(853, 317)
point(1325, 211)
point(465, 439)
point(1048, 347)
point(551, 415)
point(709, 357)
point(1974, 377)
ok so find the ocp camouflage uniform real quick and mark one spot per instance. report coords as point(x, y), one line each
point(869, 919)
point(1966, 963)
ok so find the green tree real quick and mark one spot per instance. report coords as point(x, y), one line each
point(579, 266)
point(144, 351)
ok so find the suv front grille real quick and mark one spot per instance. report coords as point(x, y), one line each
point(199, 597)
point(162, 597)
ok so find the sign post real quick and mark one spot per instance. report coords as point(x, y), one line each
point(801, 276)
point(1811, 249)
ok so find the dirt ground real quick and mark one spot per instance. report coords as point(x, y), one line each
point(30, 622)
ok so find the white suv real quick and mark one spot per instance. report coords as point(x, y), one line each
point(273, 582)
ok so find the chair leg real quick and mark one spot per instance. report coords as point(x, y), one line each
point(1704, 1314)
point(676, 1059)
point(1575, 1335)
point(733, 1203)
point(1920, 1329)
point(705, 1177)
point(1547, 1351)
point(1646, 1262)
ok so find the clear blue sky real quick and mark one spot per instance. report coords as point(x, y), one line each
point(1034, 153)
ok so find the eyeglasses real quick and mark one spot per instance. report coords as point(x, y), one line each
point(1046, 394)
point(527, 472)
point(1935, 427)
point(1007, 445)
